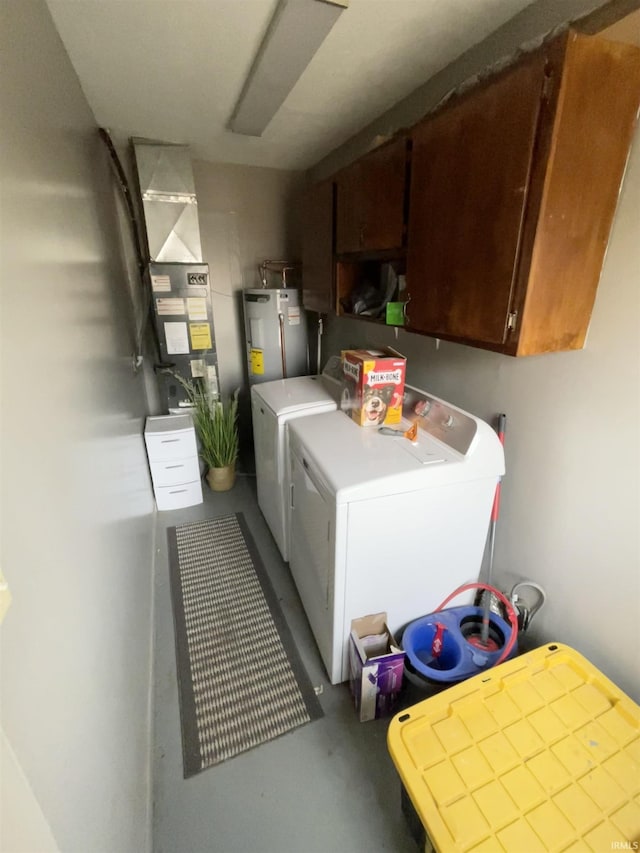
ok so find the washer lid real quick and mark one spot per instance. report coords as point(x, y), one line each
point(285, 396)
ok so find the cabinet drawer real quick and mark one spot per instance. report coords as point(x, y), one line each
point(176, 497)
point(162, 446)
point(175, 471)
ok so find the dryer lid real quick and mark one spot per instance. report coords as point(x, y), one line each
point(285, 396)
point(358, 463)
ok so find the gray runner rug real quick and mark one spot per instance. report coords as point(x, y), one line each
point(240, 680)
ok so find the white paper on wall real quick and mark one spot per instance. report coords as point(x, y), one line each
point(197, 308)
point(160, 282)
point(212, 379)
point(170, 306)
point(177, 338)
point(281, 296)
point(197, 367)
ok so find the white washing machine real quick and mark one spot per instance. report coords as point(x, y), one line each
point(273, 405)
point(380, 523)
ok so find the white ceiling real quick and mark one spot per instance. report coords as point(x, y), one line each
point(172, 69)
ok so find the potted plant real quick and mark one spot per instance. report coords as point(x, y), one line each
point(216, 424)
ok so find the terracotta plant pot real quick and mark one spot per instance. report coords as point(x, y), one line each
point(221, 479)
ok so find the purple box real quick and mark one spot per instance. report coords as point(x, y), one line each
point(376, 663)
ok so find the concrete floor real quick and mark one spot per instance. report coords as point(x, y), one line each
point(329, 786)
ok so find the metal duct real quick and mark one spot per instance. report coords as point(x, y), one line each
point(169, 201)
point(177, 278)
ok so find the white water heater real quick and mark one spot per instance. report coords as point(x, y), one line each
point(275, 333)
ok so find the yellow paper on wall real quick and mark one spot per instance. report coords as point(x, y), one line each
point(200, 334)
point(257, 362)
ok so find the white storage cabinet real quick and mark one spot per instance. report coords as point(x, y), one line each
point(173, 460)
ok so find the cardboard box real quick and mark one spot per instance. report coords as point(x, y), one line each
point(373, 386)
point(376, 667)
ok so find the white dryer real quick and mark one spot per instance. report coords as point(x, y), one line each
point(273, 405)
point(380, 523)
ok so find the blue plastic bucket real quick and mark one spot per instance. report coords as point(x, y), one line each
point(457, 659)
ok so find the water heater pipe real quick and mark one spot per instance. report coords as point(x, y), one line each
point(282, 347)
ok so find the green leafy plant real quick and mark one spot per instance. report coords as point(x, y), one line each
point(216, 423)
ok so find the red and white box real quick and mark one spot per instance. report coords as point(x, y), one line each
point(373, 386)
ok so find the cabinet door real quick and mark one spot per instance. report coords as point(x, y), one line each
point(597, 106)
point(371, 201)
point(470, 175)
point(317, 248)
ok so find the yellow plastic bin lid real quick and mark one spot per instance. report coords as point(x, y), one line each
point(541, 753)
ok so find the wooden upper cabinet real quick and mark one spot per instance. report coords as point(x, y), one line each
point(513, 191)
point(317, 248)
point(584, 149)
point(370, 201)
point(470, 174)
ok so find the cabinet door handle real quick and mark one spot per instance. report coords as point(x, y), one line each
point(169, 440)
point(167, 467)
point(405, 307)
point(177, 491)
point(291, 496)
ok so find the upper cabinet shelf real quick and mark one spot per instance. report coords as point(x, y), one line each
point(500, 202)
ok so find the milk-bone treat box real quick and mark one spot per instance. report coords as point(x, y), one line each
point(373, 386)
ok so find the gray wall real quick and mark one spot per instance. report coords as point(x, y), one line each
point(247, 215)
point(570, 500)
point(77, 512)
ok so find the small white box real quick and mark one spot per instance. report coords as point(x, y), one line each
point(172, 451)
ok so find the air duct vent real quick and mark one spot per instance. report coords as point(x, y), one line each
point(169, 201)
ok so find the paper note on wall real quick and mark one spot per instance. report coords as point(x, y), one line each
point(281, 296)
point(197, 367)
point(200, 335)
point(170, 306)
point(212, 379)
point(293, 315)
point(160, 283)
point(176, 338)
point(257, 362)
point(197, 308)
